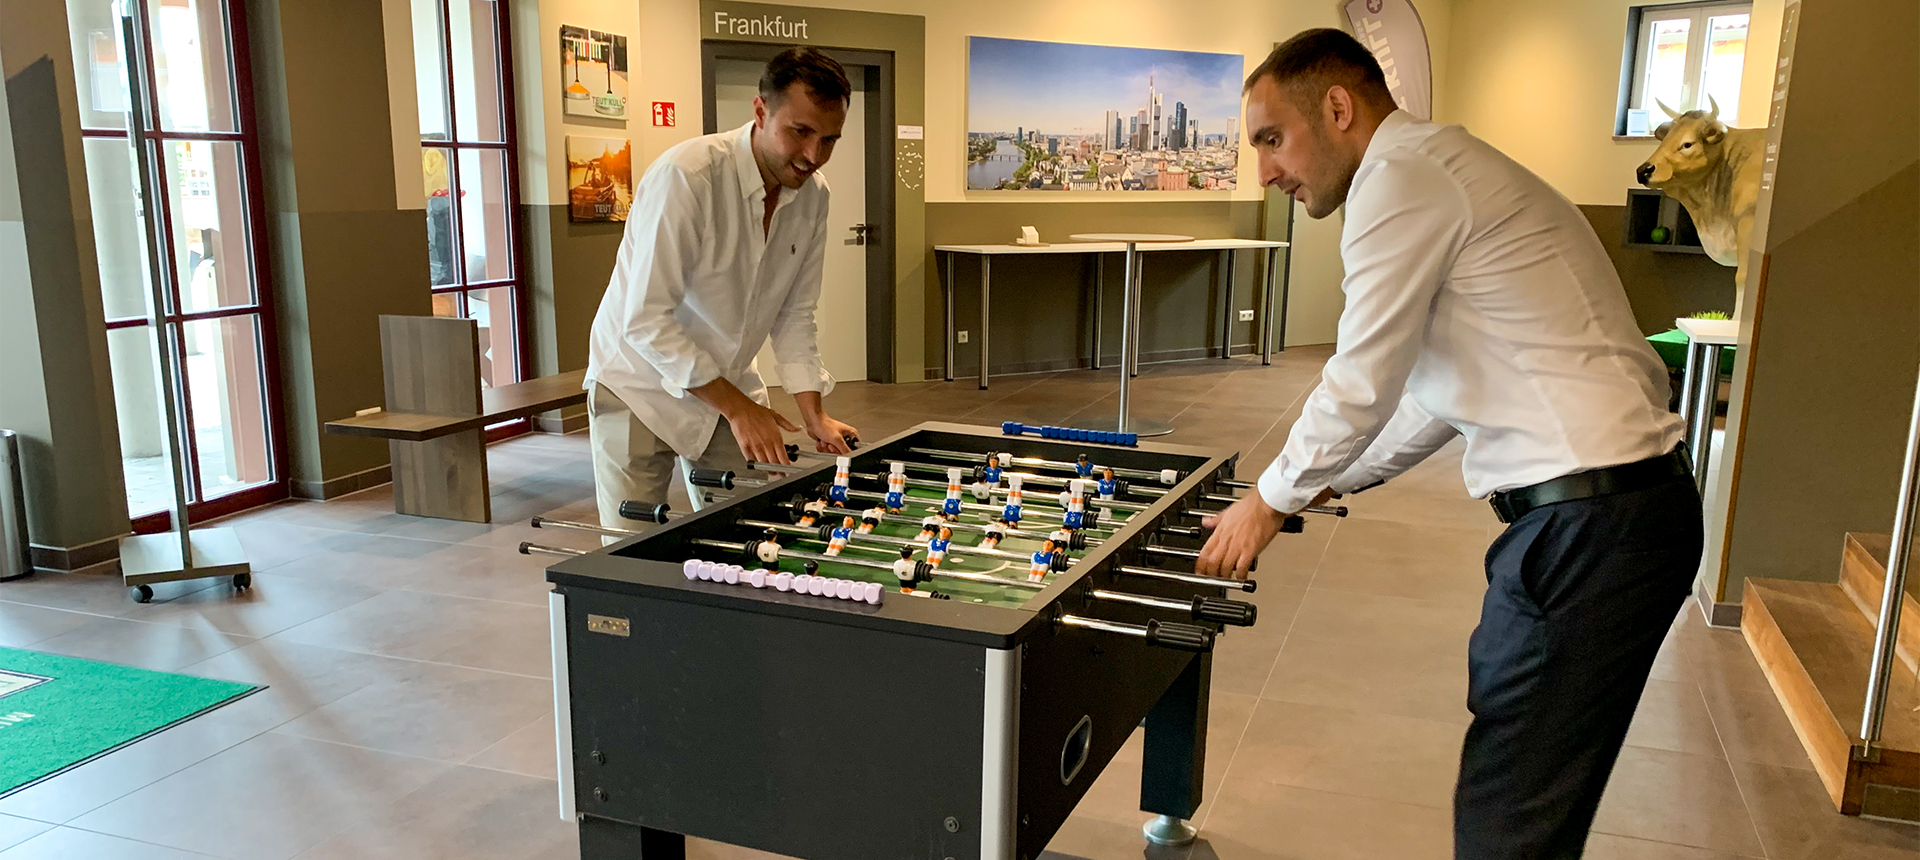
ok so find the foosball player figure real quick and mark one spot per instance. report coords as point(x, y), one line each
point(996, 532)
point(982, 490)
point(1076, 515)
point(907, 571)
point(871, 518)
point(937, 548)
point(896, 487)
point(838, 540)
point(842, 474)
point(1042, 562)
point(812, 512)
point(951, 507)
point(1108, 487)
point(930, 526)
point(1082, 466)
point(768, 550)
point(1011, 513)
point(991, 471)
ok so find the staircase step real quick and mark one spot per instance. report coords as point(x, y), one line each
point(1816, 649)
point(1863, 573)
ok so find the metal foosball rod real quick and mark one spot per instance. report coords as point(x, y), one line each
point(1142, 474)
point(1048, 517)
point(531, 548)
point(1182, 637)
point(1200, 608)
point(922, 570)
point(1177, 552)
point(996, 491)
point(1247, 585)
point(634, 509)
point(1076, 539)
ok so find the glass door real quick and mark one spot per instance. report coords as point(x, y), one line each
point(464, 77)
point(199, 136)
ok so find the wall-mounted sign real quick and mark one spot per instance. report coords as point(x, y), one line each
point(593, 73)
point(762, 26)
point(912, 132)
point(663, 114)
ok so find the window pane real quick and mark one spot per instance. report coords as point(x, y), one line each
point(208, 207)
point(228, 397)
point(499, 341)
point(1726, 58)
point(430, 69)
point(99, 74)
point(136, 400)
point(1666, 66)
point(476, 71)
point(190, 64)
point(435, 164)
point(119, 236)
point(483, 216)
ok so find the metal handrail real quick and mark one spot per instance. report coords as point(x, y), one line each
point(1885, 634)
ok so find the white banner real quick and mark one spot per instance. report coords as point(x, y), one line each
point(1392, 30)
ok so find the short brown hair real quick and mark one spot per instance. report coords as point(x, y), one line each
point(1314, 60)
point(822, 74)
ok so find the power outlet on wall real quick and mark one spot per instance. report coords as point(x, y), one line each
point(1246, 315)
point(963, 335)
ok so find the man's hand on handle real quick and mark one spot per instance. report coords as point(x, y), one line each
point(757, 429)
point(830, 436)
point(1239, 534)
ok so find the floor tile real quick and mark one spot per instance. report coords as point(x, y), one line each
point(273, 604)
point(1797, 820)
point(1349, 616)
point(483, 634)
point(1380, 756)
point(95, 593)
point(531, 751)
point(66, 843)
point(22, 625)
point(14, 831)
point(1673, 716)
point(1083, 838)
point(267, 799)
point(1675, 797)
point(1371, 676)
point(1602, 846)
point(444, 713)
point(300, 678)
point(465, 813)
point(1400, 559)
point(1262, 821)
point(161, 647)
point(1754, 727)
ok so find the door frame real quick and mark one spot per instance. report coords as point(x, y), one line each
point(876, 67)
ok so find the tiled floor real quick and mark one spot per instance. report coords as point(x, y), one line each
point(409, 714)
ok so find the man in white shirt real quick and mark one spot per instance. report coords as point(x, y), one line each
point(722, 250)
point(1479, 303)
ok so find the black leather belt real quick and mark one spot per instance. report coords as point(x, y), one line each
point(1624, 478)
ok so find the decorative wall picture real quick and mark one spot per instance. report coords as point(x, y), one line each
point(1053, 116)
point(599, 178)
point(593, 73)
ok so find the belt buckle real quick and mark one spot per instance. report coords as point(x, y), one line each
point(1500, 508)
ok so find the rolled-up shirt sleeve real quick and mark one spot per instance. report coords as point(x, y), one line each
point(656, 253)
point(1409, 437)
point(795, 335)
point(1407, 220)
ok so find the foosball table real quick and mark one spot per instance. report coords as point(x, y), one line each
point(929, 649)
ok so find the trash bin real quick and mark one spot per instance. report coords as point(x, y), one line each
point(16, 555)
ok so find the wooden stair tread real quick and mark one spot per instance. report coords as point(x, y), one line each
point(1834, 644)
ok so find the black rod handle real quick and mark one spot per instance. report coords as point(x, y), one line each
point(719, 479)
point(1180, 637)
point(646, 512)
point(1222, 611)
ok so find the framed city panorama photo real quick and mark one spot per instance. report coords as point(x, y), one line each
point(1054, 116)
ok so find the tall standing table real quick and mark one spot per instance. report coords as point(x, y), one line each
point(1700, 388)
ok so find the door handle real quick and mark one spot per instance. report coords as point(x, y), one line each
point(860, 232)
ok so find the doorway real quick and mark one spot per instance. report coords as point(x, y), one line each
point(855, 314)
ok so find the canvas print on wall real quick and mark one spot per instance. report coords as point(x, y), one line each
point(1053, 116)
point(593, 73)
point(599, 178)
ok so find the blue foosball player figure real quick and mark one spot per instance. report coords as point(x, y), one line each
point(1107, 486)
point(1042, 562)
point(991, 471)
point(1011, 513)
point(951, 506)
point(937, 548)
point(1082, 466)
point(837, 541)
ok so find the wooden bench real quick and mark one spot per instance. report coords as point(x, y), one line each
point(436, 415)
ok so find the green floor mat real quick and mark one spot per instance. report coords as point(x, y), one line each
point(58, 712)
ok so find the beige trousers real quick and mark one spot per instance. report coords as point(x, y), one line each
point(630, 462)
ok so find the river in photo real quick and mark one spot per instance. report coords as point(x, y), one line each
point(995, 169)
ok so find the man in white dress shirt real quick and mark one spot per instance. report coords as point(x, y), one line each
point(1479, 303)
point(722, 250)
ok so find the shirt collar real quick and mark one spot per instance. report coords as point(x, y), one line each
point(1392, 130)
point(743, 162)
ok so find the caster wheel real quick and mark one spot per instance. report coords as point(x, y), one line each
point(243, 581)
point(143, 593)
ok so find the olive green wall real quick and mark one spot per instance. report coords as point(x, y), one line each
point(56, 391)
point(343, 252)
point(1830, 316)
point(1661, 286)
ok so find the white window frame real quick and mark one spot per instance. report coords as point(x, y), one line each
point(1641, 48)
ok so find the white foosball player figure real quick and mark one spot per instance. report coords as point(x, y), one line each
point(996, 532)
point(951, 507)
point(1042, 563)
point(930, 526)
point(838, 540)
point(1011, 513)
point(872, 518)
point(906, 569)
point(937, 548)
point(982, 490)
point(1108, 487)
point(1076, 504)
point(812, 512)
point(842, 475)
point(896, 487)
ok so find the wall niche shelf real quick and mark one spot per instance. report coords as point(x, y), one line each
point(1648, 208)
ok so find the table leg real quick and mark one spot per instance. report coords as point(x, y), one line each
point(606, 839)
point(1129, 307)
point(986, 291)
point(1139, 295)
point(1226, 315)
point(1704, 409)
point(1267, 310)
point(952, 321)
point(1174, 757)
point(1686, 389)
point(1099, 287)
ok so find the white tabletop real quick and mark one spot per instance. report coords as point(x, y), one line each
point(1710, 332)
point(1136, 238)
point(1113, 247)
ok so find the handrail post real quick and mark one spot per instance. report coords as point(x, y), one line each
point(1886, 632)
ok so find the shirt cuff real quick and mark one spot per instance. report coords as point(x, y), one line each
point(678, 383)
point(1281, 494)
point(812, 376)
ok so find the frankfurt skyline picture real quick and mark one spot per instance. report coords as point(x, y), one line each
point(1054, 116)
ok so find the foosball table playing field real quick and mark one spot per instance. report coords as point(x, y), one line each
point(929, 649)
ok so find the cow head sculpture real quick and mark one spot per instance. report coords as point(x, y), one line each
point(1689, 146)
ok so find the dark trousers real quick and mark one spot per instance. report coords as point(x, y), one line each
point(1579, 597)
